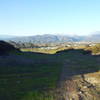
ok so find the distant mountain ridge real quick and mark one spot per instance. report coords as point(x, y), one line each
point(47, 38)
point(93, 38)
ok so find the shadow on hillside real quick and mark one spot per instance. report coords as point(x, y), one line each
point(41, 58)
point(75, 51)
point(20, 63)
point(81, 62)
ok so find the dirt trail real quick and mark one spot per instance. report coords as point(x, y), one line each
point(78, 85)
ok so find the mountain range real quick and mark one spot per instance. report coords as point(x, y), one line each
point(47, 38)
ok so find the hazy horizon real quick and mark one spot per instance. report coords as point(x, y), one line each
point(38, 17)
point(60, 34)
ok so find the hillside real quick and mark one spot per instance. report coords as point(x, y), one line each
point(71, 74)
point(6, 48)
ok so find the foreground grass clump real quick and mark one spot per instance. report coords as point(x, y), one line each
point(35, 81)
point(37, 95)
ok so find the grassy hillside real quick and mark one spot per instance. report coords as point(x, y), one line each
point(45, 51)
point(95, 49)
point(31, 79)
point(36, 76)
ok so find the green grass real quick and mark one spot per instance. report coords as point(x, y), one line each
point(37, 81)
point(29, 82)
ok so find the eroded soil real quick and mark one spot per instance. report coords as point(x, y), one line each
point(80, 84)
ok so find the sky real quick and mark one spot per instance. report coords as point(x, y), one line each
point(32, 17)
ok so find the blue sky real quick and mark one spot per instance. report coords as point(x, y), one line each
point(31, 17)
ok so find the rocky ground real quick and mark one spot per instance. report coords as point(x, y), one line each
point(80, 84)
